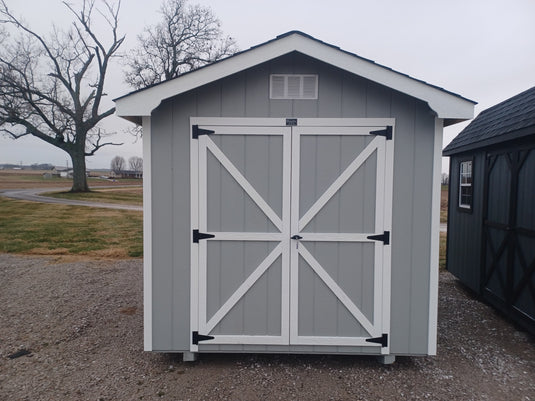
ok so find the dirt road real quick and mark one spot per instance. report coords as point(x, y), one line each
point(33, 195)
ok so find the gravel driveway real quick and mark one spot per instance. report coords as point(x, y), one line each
point(81, 321)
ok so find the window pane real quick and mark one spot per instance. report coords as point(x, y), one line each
point(465, 184)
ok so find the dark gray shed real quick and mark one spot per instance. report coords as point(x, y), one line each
point(491, 213)
point(291, 204)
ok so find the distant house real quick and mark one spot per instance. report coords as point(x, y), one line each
point(127, 174)
point(491, 217)
point(63, 172)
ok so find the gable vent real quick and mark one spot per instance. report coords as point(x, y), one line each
point(293, 86)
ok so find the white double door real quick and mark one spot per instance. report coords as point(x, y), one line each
point(289, 212)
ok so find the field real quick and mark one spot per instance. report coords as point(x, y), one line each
point(60, 230)
point(64, 231)
point(34, 228)
point(22, 179)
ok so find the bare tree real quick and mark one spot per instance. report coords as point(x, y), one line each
point(445, 179)
point(136, 163)
point(118, 164)
point(52, 86)
point(188, 37)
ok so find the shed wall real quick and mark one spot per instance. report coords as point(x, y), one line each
point(341, 95)
point(491, 248)
point(464, 227)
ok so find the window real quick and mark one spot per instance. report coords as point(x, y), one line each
point(293, 86)
point(465, 185)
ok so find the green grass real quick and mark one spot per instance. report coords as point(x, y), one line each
point(47, 229)
point(444, 204)
point(442, 251)
point(129, 196)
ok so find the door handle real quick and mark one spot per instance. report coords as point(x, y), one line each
point(296, 237)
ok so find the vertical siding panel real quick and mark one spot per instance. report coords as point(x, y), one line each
point(257, 91)
point(208, 99)
point(182, 110)
point(353, 96)
point(162, 229)
point(378, 101)
point(403, 109)
point(465, 228)
point(233, 96)
point(329, 92)
point(256, 169)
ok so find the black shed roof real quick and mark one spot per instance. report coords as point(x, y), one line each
point(510, 119)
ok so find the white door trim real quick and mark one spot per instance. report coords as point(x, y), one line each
point(381, 312)
point(199, 150)
point(337, 184)
point(205, 141)
point(340, 294)
point(289, 279)
point(240, 292)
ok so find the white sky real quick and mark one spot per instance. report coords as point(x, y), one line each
point(481, 49)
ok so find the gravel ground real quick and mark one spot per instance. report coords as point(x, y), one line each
point(82, 323)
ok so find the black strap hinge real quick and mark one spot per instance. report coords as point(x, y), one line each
point(383, 340)
point(387, 132)
point(196, 131)
point(381, 237)
point(198, 236)
point(196, 337)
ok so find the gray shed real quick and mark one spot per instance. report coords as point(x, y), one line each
point(491, 218)
point(291, 204)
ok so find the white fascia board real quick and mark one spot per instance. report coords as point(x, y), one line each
point(446, 105)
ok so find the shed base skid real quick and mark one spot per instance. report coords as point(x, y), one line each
point(190, 356)
point(382, 359)
point(386, 359)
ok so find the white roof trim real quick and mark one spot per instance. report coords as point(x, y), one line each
point(447, 105)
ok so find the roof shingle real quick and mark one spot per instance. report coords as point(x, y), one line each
point(497, 124)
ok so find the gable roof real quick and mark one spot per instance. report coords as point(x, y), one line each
point(510, 119)
point(449, 106)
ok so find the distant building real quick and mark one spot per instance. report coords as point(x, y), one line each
point(127, 174)
point(63, 172)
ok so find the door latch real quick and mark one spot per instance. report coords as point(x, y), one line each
point(297, 238)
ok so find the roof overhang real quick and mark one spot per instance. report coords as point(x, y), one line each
point(447, 105)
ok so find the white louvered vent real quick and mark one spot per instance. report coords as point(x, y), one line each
point(293, 86)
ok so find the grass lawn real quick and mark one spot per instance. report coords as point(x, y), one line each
point(47, 229)
point(444, 204)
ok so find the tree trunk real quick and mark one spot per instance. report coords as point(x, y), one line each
point(79, 179)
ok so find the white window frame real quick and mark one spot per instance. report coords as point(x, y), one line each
point(466, 173)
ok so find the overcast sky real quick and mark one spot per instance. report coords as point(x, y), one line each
point(483, 50)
